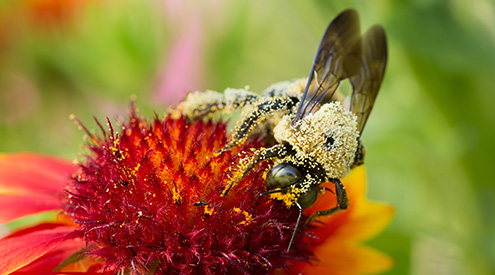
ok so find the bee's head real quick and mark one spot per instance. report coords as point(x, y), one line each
point(289, 183)
point(328, 136)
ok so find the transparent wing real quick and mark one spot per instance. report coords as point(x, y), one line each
point(367, 81)
point(340, 42)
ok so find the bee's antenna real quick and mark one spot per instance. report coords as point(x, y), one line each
point(297, 226)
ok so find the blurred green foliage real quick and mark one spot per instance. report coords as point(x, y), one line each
point(429, 138)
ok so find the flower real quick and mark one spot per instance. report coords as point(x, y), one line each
point(148, 199)
point(50, 13)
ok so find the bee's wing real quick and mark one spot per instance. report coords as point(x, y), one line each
point(367, 81)
point(341, 39)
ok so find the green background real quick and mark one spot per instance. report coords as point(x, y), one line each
point(429, 138)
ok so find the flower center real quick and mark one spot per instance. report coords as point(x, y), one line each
point(150, 198)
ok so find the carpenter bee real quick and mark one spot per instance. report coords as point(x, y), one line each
point(317, 137)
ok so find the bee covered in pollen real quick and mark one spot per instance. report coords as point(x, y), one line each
point(317, 137)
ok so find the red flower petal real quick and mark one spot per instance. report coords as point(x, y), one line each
point(22, 250)
point(21, 173)
point(52, 259)
point(17, 206)
point(34, 229)
point(31, 184)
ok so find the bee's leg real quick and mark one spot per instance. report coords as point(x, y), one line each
point(342, 202)
point(263, 108)
point(204, 104)
point(246, 165)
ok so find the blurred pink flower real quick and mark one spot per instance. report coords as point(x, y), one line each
point(182, 69)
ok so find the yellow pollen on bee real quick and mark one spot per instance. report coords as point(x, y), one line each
point(288, 198)
point(309, 138)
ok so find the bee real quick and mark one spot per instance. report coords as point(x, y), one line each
point(318, 138)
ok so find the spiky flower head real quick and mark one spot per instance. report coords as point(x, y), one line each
point(148, 198)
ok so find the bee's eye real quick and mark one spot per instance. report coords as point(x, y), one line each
point(309, 197)
point(282, 175)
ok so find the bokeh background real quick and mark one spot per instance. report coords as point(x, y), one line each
point(430, 137)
